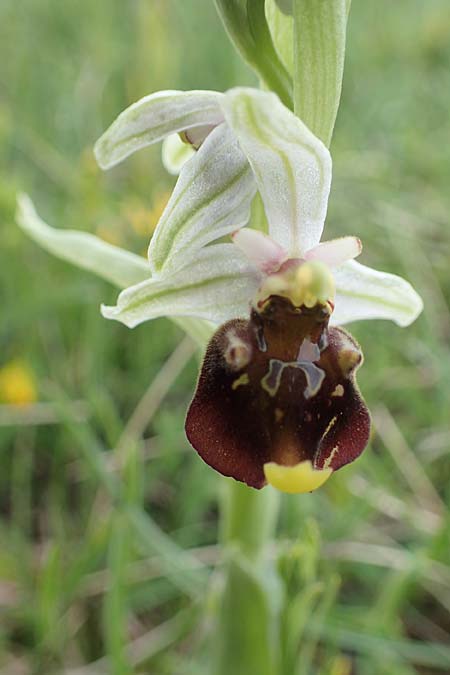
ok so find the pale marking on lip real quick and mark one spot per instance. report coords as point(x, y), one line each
point(313, 374)
point(260, 339)
point(279, 414)
point(238, 353)
point(335, 450)
point(242, 380)
point(272, 380)
point(330, 426)
point(329, 459)
point(309, 351)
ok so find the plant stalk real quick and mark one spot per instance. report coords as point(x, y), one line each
point(247, 629)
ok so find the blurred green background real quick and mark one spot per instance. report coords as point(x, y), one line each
point(88, 586)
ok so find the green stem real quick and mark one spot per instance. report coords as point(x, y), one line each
point(247, 631)
point(248, 518)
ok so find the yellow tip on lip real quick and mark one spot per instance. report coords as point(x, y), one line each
point(295, 479)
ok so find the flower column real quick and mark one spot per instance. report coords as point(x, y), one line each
point(314, 32)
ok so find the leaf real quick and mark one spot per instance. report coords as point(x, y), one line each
point(212, 198)
point(84, 250)
point(154, 117)
point(217, 285)
point(179, 566)
point(115, 606)
point(292, 167)
point(422, 653)
point(365, 293)
point(246, 24)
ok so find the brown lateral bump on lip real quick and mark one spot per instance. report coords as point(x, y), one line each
point(279, 387)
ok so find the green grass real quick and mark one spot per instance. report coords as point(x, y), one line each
point(106, 552)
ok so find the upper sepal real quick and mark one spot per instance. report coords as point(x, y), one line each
point(292, 167)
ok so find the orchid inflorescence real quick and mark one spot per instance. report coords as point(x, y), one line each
point(276, 399)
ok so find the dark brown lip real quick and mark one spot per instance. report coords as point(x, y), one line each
point(274, 406)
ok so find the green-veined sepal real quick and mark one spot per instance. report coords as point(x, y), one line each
point(291, 166)
point(212, 198)
point(365, 293)
point(215, 285)
point(82, 249)
point(154, 117)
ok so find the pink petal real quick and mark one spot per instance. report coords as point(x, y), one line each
point(336, 251)
point(260, 249)
point(196, 135)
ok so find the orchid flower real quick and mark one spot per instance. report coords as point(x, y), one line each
point(276, 400)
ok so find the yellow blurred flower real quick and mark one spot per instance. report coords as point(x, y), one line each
point(17, 384)
point(435, 29)
point(342, 665)
point(88, 163)
point(110, 235)
point(143, 220)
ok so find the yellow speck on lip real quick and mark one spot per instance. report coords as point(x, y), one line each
point(242, 380)
point(17, 384)
point(143, 220)
point(332, 455)
point(295, 479)
point(279, 414)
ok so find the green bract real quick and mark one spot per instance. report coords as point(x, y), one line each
point(285, 6)
point(319, 62)
point(248, 140)
point(246, 23)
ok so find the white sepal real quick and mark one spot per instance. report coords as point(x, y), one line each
point(154, 117)
point(212, 198)
point(217, 285)
point(84, 250)
point(365, 293)
point(292, 167)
